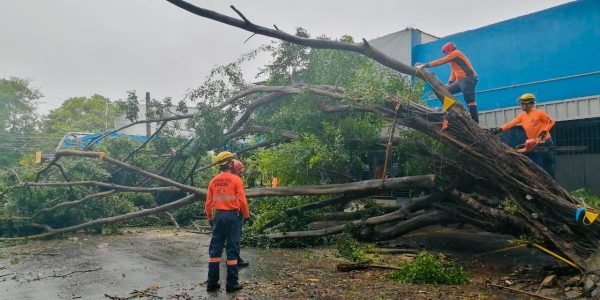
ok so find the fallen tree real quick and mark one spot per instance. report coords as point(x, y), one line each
point(490, 173)
point(513, 175)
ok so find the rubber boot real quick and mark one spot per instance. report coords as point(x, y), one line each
point(232, 279)
point(242, 263)
point(474, 113)
point(212, 284)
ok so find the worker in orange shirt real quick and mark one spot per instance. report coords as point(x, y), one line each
point(536, 124)
point(225, 201)
point(238, 169)
point(463, 77)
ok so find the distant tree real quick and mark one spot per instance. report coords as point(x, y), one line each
point(17, 106)
point(130, 106)
point(19, 122)
point(92, 114)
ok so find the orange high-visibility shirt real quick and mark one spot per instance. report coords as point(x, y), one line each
point(226, 192)
point(533, 123)
point(460, 66)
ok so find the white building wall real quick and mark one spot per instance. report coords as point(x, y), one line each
point(398, 45)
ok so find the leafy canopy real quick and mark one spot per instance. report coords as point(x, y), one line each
point(82, 114)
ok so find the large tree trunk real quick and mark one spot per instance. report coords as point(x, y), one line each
point(502, 173)
point(491, 172)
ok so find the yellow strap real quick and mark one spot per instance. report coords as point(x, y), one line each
point(448, 102)
point(102, 155)
point(568, 262)
point(590, 216)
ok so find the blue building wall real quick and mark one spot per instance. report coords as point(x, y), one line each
point(554, 54)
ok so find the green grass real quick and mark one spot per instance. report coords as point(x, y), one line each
point(588, 197)
point(427, 268)
point(350, 249)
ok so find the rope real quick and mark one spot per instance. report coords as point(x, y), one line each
point(388, 149)
point(438, 172)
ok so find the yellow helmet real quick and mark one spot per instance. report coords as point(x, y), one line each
point(527, 98)
point(224, 157)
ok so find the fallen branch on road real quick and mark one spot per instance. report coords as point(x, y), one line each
point(393, 251)
point(68, 274)
point(489, 282)
point(362, 266)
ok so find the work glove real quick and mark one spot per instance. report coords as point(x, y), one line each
point(420, 66)
point(451, 82)
point(542, 134)
point(495, 131)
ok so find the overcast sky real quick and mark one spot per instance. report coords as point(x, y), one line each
point(71, 48)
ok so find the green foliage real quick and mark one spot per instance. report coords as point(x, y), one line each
point(130, 106)
point(414, 155)
point(17, 106)
point(209, 127)
point(19, 122)
point(510, 206)
point(525, 239)
point(426, 268)
point(308, 255)
point(331, 148)
point(372, 84)
point(81, 114)
point(333, 67)
point(272, 209)
point(350, 249)
point(288, 60)
point(189, 213)
point(25, 201)
point(268, 209)
point(587, 197)
point(305, 161)
point(369, 209)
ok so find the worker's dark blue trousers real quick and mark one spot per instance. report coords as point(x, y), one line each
point(467, 87)
point(225, 233)
point(544, 156)
point(241, 227)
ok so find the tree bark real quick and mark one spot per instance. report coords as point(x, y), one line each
point(509, 175)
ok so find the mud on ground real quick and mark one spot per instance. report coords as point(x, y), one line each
point(169, 264)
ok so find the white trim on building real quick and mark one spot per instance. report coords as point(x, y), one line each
point(561, 110)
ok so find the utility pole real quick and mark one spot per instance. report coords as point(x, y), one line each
point(106, 116)
point(148, 128)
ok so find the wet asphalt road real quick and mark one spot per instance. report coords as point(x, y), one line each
point(175, 262)
point(113, 265)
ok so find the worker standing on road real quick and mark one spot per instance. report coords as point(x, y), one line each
point(238, 169)
point(463, 77)
point(225, 201)
point(537, 125)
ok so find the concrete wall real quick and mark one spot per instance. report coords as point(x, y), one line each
point(579, 171)
point(399, 45)
point(554, 53)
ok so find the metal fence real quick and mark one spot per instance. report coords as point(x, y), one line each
point(577, 136)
